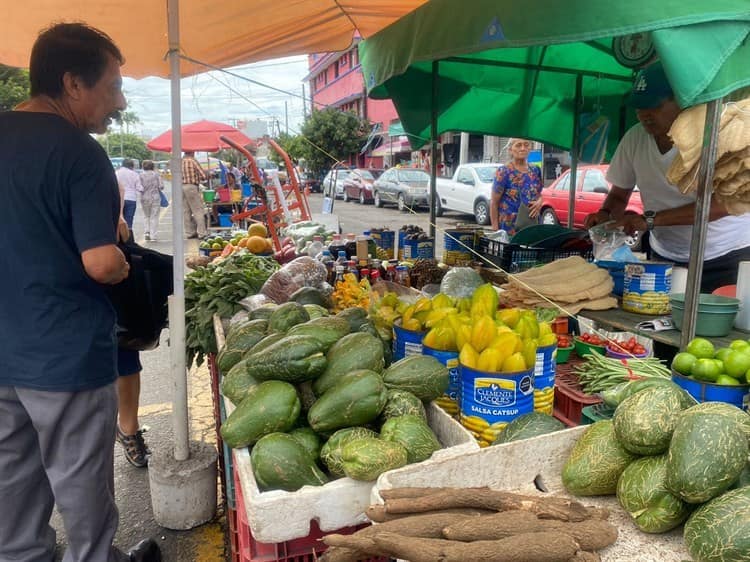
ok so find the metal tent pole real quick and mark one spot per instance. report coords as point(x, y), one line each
point(572, 193)
point(433, 148)
point(177, 300)
point(700, 222)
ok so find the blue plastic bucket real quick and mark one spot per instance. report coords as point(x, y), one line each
point(406, 342)
point(458, 246)
point(646, 287)
point(709, 392)
point(544, 378)
point(450, 360)
point(225, 219)
point(490, 401)
point(247, 190)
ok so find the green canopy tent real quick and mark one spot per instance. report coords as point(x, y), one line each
point(502, 68)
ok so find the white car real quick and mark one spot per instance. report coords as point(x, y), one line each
point(338, 190)
point(468, 191)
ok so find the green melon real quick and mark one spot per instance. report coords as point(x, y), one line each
point(596, 462)
point(367, 458)
point(529, 425)
point(706, 456)
point(724, 409)
point(414, 434)
point(331, 451)
point(644, 422)
point(402, 403)
point(642, 492)
point(719, 531)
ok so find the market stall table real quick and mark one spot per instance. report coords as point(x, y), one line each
point(628, 321)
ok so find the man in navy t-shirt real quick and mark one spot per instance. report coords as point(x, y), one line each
point(60, 210)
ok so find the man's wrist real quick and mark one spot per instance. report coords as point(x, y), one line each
point(605, 210)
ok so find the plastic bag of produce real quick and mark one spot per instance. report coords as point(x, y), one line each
point(254, 302)
point(460, 282)
point(302, 272)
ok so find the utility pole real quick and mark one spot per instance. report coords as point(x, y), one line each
point(304, 103)
point(286, 116)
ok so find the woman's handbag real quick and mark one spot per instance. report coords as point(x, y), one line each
point(164, 202)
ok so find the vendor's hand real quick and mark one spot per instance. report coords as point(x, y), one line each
point(596, 218)
point(632, 223)
point(123, 232)
point(535, 208)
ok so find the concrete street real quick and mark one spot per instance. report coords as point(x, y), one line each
point(205, 543)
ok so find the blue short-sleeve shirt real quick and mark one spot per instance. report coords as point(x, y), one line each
point(58, 198)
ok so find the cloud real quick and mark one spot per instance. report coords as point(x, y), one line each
point(218, 96)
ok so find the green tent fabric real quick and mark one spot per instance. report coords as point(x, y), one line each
point(510, 69)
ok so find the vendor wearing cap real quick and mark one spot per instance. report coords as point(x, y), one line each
point(643, 158)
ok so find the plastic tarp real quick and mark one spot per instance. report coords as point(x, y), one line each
point(219, 32)
point(508, 69)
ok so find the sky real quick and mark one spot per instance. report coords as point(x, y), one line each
point(217, 96)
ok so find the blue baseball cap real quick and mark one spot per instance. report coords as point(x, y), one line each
point(650, 87)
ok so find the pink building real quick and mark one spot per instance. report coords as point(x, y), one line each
point(336, 80)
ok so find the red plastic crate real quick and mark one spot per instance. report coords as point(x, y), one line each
point(233, 538)
point(570, 400)
point(225, 454)
point(306, 549)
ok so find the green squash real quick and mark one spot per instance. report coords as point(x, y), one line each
point(719, 531)
point(529, 425)
point(309, 440)
point(287, 315)
point(706, 456)
point(292, 359)
point(239, 339)
point(596, 462)
point(352, 352)
point(414, 434)
point(643, 493)
point(327, 329)
point(280, 462)
point(238, 382)
point(402, 403)
point(422, 375)
point(356, 400)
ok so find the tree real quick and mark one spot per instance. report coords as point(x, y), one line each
point(293, 145)
point(126, 145)
point(14, 87)
point(126, 119)
point(331, 135)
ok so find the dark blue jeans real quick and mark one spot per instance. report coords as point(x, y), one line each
point(128, 212)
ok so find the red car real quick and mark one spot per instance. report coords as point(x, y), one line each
point(358, 185)
point(590, 194)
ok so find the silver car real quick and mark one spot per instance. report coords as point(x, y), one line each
point(337, 190)
point(407, 187)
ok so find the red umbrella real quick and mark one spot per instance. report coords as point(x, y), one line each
point(201, 136)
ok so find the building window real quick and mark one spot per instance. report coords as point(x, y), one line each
point(356, 56)
point(336, 69)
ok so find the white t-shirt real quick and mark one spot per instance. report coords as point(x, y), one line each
point(637, 161)
point(130, 181)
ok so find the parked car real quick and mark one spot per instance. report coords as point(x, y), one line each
point(407, 187)
point(358, 185)
point(311, 181)
point(591, 191)
point(339, 175)
point(468, 191)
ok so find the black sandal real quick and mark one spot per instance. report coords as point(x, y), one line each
point(136, 451)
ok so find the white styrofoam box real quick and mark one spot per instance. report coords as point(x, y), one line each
point(278, 516)
point(527, 466)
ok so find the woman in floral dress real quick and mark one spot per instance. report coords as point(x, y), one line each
point(517, 183)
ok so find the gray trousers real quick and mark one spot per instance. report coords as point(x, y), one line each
point(58, 447)
point(193, 210)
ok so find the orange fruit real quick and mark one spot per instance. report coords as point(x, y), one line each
point(242, 243)
point(257, 244)
point(257, 229)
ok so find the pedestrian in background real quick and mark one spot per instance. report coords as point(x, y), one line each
point(193, 209)
point(58, 399)
point(151, 199)
point(131, 183)
point(516, 191)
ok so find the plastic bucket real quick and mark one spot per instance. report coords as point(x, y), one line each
point(209, 195)
point(449, 400)
point(225, 219)
point(406, 342)
point(646, 287)
point(709, 392)
point(415, 249)
point(236, 195)
point(247, 190)
point(544, 378)
point(384, 239)
point(490, 401)
point(458, 246)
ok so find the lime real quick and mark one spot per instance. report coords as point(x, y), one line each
point(216, 246)
point(706, 370)
point(719, 364)
point(683, 363)
point(727, 380)
point(740, 345)
point(737, 364)
point(701, 348)
point(722, 353)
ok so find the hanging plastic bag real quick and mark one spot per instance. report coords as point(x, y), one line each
point(594, 131)
point(611, 244)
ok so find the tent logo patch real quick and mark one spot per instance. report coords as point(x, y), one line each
point(493, 32)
